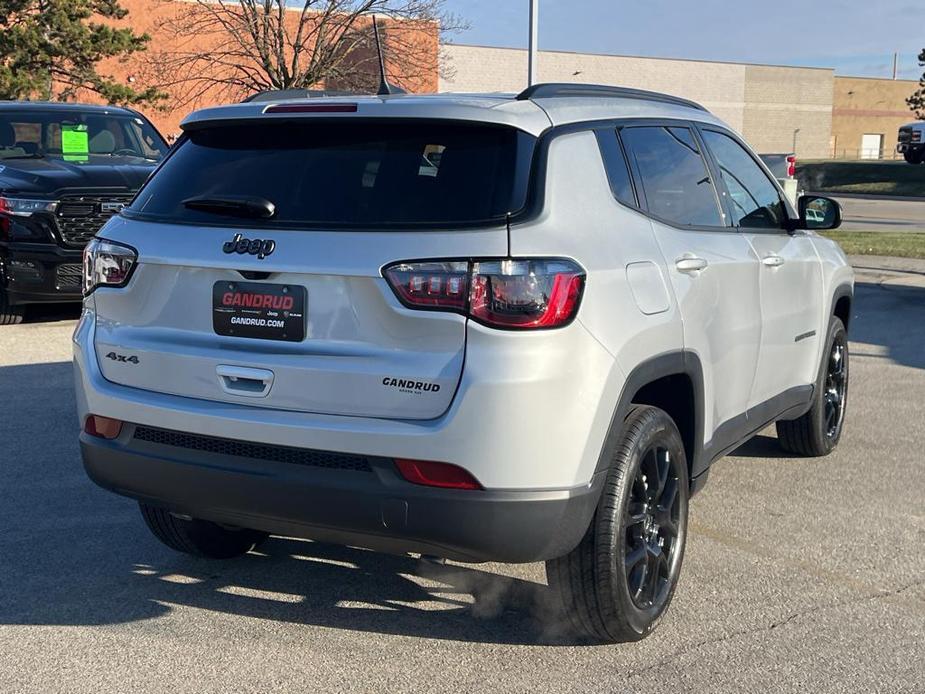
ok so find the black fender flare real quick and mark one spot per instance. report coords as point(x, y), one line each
point(841, 291)
point(675, 363)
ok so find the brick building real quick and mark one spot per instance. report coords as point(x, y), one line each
point(867, 114)
point(153, 18)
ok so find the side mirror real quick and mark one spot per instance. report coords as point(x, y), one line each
point(818, 213)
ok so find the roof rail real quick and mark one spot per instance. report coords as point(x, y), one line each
point(550, 90)
point(283, 94)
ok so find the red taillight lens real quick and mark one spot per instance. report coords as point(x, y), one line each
point(433, 474)
point(511, 293)
point(525, 293)
point(103, 427)
point(791, 166)
point(440, 285)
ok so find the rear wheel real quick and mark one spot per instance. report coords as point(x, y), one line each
point(9, 315)
point(198, 537)
point(617, 584)
point(914, 156)
point(818, 431)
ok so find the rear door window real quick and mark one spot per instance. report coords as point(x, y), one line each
point(675, 178)
point(346, 174)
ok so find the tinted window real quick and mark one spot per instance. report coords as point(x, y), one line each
point(755, 200)
point(81, 136)
point(615, 163)
point(674, 175)
point(355, 174)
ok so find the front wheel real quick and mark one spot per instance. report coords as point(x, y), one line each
point(914, 156)
point(198, 537)
point(818, 431)
point(617, 584)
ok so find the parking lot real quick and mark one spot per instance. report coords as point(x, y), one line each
point(800, 574)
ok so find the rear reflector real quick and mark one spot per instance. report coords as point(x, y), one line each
point(102, 427)
point(431, 474)
point(312, 108)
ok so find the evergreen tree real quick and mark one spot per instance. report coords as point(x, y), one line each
point(49, 49)
point(917, 100)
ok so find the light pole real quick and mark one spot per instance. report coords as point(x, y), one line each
point(532, 46)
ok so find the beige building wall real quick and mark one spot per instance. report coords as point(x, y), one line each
point(765, 104)
point(869, 106)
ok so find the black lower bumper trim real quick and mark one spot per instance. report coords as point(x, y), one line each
point(376, 509)
point(40, 273)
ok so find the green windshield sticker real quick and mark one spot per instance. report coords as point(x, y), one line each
point(75, 144)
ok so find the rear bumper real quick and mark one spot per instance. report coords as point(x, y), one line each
point(904, 147)
point(369, 507)
point(30, 273)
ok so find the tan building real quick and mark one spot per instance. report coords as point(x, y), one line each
point(866, 116)
point(777, 109)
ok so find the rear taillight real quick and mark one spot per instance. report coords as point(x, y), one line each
point(106, 263)
point(791, 166)
point(432, 474)
point(520, 294)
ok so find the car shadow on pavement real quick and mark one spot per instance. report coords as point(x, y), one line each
point(902, 340)
point(74, 554)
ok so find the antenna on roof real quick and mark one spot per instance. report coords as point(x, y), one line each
point(384, 87)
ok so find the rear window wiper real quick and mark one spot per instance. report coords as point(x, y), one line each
point(33, 155)
point(233, 205)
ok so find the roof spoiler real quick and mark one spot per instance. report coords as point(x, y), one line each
point(556, 90)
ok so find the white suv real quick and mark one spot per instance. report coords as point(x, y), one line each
point(530, 350)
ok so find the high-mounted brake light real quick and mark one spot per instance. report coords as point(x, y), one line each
point(791, 166)
point(522, 294)
point(311, 108)
point(431, 474)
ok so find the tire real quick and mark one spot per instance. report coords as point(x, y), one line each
point(818, 432)
point(198, 537)
point(595, 591)
point(914, 156)
point(9, 315)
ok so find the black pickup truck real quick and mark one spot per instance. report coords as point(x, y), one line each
point(64, 170)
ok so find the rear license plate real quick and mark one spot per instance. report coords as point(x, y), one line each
point(263, 311)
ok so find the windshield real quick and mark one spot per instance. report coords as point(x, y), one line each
point(352, 174)
point(77, 136)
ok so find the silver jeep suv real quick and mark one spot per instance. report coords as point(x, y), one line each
point(480, 327)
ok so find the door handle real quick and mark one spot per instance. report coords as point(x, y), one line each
point(239, 380)
point(772, 261)
point(690, 263)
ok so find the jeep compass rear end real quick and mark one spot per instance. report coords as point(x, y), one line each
point(440, 325)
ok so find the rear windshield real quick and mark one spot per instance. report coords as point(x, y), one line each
point(346, 174)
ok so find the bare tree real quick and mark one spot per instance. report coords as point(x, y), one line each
point(227, 49)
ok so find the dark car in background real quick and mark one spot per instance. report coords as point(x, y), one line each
point(64, 170)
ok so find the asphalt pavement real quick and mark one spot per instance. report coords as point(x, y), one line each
point(801, 575)
point(871, 213)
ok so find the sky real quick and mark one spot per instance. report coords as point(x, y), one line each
point(856, 37)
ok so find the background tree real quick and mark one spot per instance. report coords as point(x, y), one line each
point(50, 49)
point(917, 101)
point(229, 49)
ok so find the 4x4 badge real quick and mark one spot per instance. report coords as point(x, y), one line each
point(259, 247)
